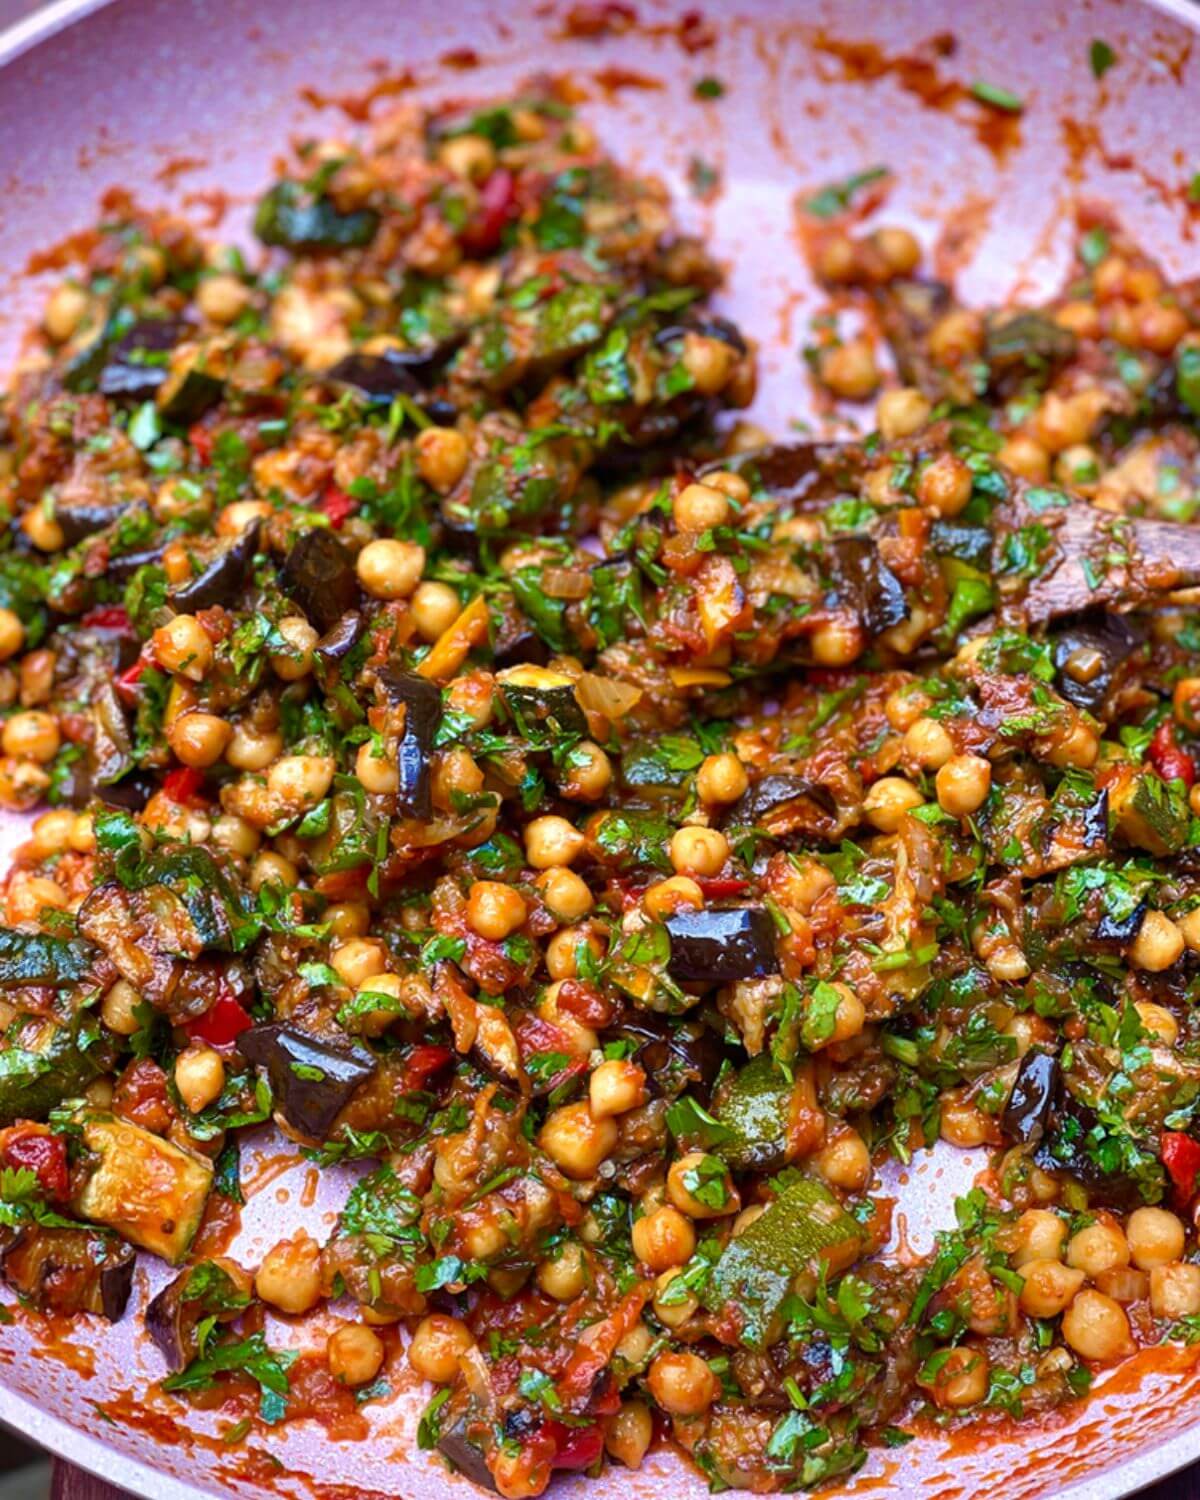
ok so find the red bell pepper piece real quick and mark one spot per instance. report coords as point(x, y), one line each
point(337, 505)
point(221, 1025)
point(1165, 755)
point(44, 1155)
point(126, 683)
point(718, 889)
point(576, 1447)
point(182, 784)
point(107, 617)
point(201, 439)
point(497, 205)
point(1181, 1157)
point(421, 1064)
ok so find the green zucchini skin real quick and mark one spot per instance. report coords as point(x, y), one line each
point(33, 1082)
point(754, 1107)
point(539, 698)
point(35, 958)
point(289, 217)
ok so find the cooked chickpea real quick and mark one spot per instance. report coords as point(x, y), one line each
point(354, 1354)
point(708, 361)
point(389, 568)
point(289, 1277)
point(1040, 1235)
point(849, 369)
point(551, 842)
point(1175, 1290)
point(963, 1125)
point(1158, 1021)
point(83, 835)
point(22, 783)
point(438, 1344)
point(589, 773)
point(301, 781)
point(1096, 1326)
point(682, 1384)
point(576, 1141)
point(119, 1007)
point(957, 335)
point(222, 298)
point(698, 851)
point(1079, 747)
point(629, 1434)
point(721, 778)
point(52, 833)
point(494, 910)
point(700, 1186)
point(296, 661)
point(616, 1086)
point(963, 784)
point(199, 739)
point(677, 893)
point(901, 413)
point(1189, 925)
point(889, 801)
point(65, 309)
point(899, 249)
point(566, 1275)
point(848, 1019)
point(235, 835)
point(378, 774)
point(43, 530)
point(672, 1312)
point(241, 515)
point(836, 643)
point(927, 744)
point(566, 894)
point(435, 607)
point(962, 1378)
point(945, 485)
point(1098, 1247)
point(270, 868)
point(1049, 1287)
point(1158, 945)
point(562, 951)
point(845, 1162)
point(468, 155)
point(250, 749)
point(29, 896)
point(12, 634)
point(31, 735)
point(580, 1040)
point(442, 456)
point(1156, 1237)
point(359, 959)
point(182, 646)
point(730, 484)
point(699, 507)
point(199, 1077)
point(1026, 457)
point(663, 1238)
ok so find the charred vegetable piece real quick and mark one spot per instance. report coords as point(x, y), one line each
point(1122, 929)
point(803, 1227)
point(1101, 1154)
point(84, 518)
point(1027, 1113)
point(865, 583)
point(221, 580)
point(62, 1064)
point(135, 366)
point(293, 218)
point(721, 944)
point(211, 1289)
point(37, 958)
point(340, 639)
point(1089, 655)
point(318, 575)
point(68, 1271)
point(313, 1080)
point(110, 755)
point(539, 700)
point(422, 702)
point(395, 372)
point(148, 1190)
point(776, 796)
point(754, 1106)
point(467, 1456)
point(215, 905)
point(189, 391)
point(796, 473)
point(1027, 344)
point(1149, 812)
point(675, 1056)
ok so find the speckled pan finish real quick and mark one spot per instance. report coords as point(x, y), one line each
point(175, 98)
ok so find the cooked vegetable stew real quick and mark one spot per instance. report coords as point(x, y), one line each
point(456, 737)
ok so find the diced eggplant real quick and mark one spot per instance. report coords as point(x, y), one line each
point(395, 372)
point(467, 1457)
point(133, 368)
point(70, 1271)
point(864, 583)
point(146, 1188)
point(1027, 1114)
point(754, 1105)
point(340, 639)
point(969, 544)
point(32, 958)
point(211, 1288)
point(908, 311)
point(1027, 344)
point(795, 474)
point(675, 1055)
point(721, 944)
point(1090, 653)
point(422, 702)
point(1078, 1143)
point(291, 217)
point(802, 1229)
point(207, 892)
point(1122, 930)
point(189, 391)
point(222, 579)
point(517, 643)
point(111, 751)
point(777, 794)
point(313, 1080)
point(38, 1078)
point(86, 517)
point(318, 575)
point(539, 698)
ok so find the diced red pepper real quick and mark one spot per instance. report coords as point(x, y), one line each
point(221, 1025)
point(497, 205)
point(44, 1155)
point(1181, 1157)
point(421, 1064)
point(1165, 755)
point(718, 889)
point(337, 505)
point(201, 439)
point(106, 617)
point(576, 1447)
point(127, 680)
point(182, 784)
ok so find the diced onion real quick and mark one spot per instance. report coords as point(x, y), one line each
point(604, 695)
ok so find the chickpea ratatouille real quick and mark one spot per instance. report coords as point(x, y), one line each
point(455, 737)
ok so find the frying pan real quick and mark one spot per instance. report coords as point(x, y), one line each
point(189, 101)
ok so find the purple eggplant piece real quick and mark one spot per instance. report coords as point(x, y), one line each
point(1122, 930)
point(777, 791)
point(69, 1271)
point(794, 474)
point(121, 569)
point(1027, 1113)
point(126, 374)
point(467, 1457)
point(116, 1283)
point(318, 575)
point(422, 701)
point(164, 1323)
point(722, 944)
point(864, 583)
point(338, 642)
point(313, 1080)
point(222, 579)
point(1112, 638)
point(1067, 1146)
point(675, 1055)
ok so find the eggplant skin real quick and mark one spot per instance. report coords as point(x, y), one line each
point(70, 1271)
point(422, 702)
point(312, 1080)
point(467, 1457)
point(675, 1056)
point(864, 583)
point(1114, 640)
point(722, 944)
point(318, 575)
point(1027, 1113)
point(222, 579)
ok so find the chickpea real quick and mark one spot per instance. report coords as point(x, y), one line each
point(698, 1174)
point(581, 1040)
point(577, 1142)
point(899, 248)
point(1156, 1237)
point(957, 335)
point(565, 1277)
point(270, 868)
point(378, 774)
point(730, 484)
point(551, 841)
point(945, 485)
point(389, 568)
point(43, 530)
point(1079, 318)
point(1080, 747)
point(22, 783)
point(566, 894)
point(1040, 1235)
point(963, 784)
point(836, 643)
point(837, 259)
point(709, 361)
point(297, 660)
point(495, 910)
point(119, 1006)
point(437, 1346)
point(1049, 1287)
point(677, 893)
point(1158, 1021)
point(589, 773)
point(1160, 327)
point(301, 781)
point(1096, 1327)
point(848, 1019)
point(222, 298)
point(928, 744)
point(629, 1434)
point(699, 507)
point(616, 1086)
point(470, 156)
point(663, 1238)
point(682, 1384)
point(12, 634)
point(721, 778)
point(52, 833)
point(562, 951)
point(889, 801)
point(845, 1161)
point(235, 835)
point(252, 750)
point(31, 735)
point(1189, 925)
point(672, 1313)
point(1098, 1247)
point(435, 607)
point(199, 1077)
point(963, 1125)
point(83, 835)
point(199, 739)
point(1158, 945)
point(65, 309)
point(240, 516)
point(29, 896)
point(900, 414)
point(182, 646)
point(289, 1277)
point(1026, 457)
point(442, 455)
point(1175, 1290)
point(849, 369)
point(962, 1378)
point(359, 959)
point(354, 1354)
point(698, 851)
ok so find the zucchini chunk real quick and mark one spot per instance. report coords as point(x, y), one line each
point(58, 1066)
point(538, 697)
